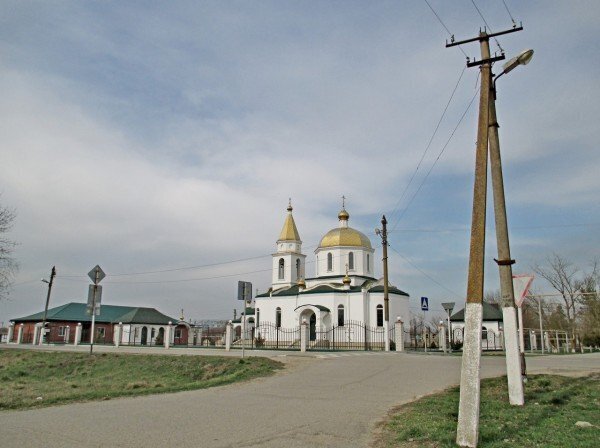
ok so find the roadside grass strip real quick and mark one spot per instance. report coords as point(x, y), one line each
point(553, 407)
point(31, 379)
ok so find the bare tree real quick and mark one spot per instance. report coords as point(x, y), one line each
point(563, 276)
point(8, 265)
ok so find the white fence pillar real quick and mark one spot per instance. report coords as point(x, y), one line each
point(118, 333)
point(399, 333)
point(36, 334)
point(11, 332)
point(20, 334)
point(168, 335)
point(228, 335)
point(442, 337)
point(532, 341)
point(546, 342)
point(77, 339)
point(303, 336)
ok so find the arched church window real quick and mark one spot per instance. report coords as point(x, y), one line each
point(281, 269)
point(340, 315)
point(257, 317)
point(484, 333)
point(351, 260)
point(329, 262)
point(278, 317)
point(368, 263)
point(380, 315)
point(298, 268)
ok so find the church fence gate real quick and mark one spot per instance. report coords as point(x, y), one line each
point(269, 336)
point(353, 335)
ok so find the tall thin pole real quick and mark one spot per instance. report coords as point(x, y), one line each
point(52, 275)
point(541, 326)
point(386, 301)
point(468, 409)
point(504, 261)
point(94, 311)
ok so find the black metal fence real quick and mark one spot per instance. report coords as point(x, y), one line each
point(269, 336)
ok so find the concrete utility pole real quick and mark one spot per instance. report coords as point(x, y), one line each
point(52, 275)
point(509, 312)
point(468, 411)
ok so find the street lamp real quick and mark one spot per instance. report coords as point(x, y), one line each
point(522, 58)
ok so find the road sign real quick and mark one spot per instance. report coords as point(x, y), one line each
point(424, 304)
point(244, 291)
point(521, 285)
point(96, 274)
point(448, 307)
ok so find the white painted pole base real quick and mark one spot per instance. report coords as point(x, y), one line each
point(513, 356)
point(467, 431)
point(386, 336)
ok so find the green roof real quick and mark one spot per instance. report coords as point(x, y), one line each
point(391, 290)
point(108, 313)
point(491, 311)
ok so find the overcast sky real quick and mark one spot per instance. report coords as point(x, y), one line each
point(158, 136)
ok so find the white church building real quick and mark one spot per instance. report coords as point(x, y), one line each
point(342, 289)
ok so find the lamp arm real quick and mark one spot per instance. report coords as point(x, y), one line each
point(494, 83)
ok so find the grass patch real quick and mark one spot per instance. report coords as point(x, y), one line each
point(30, 378)
point(553, 404)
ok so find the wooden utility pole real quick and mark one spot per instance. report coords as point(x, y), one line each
point(386, 300)
point(50, 283)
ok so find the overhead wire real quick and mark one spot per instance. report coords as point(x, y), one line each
point(487, 25)
point(509, 14)
point(444, 25)
point(435, 162)
point(424, 273)
point(391, 215)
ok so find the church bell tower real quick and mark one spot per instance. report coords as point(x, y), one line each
point(288, 261)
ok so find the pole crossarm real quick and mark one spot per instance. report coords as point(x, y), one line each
point(475, 62)
point(484, 36)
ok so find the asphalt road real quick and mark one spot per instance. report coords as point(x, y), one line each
point(334, 400)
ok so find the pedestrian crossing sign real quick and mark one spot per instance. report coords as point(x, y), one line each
point(424, 304)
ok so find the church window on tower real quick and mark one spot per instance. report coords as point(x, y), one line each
point(351, 261)
point(281, 269)
point(329, 262)
point(368, 263)
point(257, 317)
point(341, 316)
point(278, 317)
point(380, 315)
point(298, 268)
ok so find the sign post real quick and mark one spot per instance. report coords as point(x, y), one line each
point(94, 298)
point(245, 295)
point(424, 307)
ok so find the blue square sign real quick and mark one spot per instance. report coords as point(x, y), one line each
point(424, 304)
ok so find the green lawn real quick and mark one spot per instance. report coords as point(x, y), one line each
point(553, 404)
point(30, 378)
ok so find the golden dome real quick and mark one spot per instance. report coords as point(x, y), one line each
point(346, 280)
point(343, 215)
point(345, 236)
point(301, 283)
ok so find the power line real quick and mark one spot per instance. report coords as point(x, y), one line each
point(488, 26)
point(509, 14)
point(466, 229)
point(425, 273)
point(428, 144)
point(444, 25)
point(435, 162)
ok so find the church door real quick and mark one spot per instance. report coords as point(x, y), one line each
point(313, 327)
